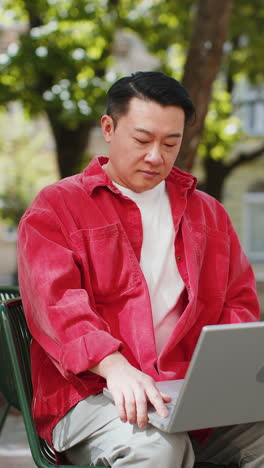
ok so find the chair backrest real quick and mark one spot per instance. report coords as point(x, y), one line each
point(15, 377)
point(8, 292)
point(14, 333)
point(15, 374)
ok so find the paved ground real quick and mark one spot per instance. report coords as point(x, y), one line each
point(14, 449)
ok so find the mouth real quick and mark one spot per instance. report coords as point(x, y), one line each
point(149, 173)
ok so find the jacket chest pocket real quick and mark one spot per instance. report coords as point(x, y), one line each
point(108, 259)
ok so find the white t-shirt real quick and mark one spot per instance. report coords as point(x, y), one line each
point(157, 259)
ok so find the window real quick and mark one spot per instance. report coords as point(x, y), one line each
point(248, 103)
point(253, 226)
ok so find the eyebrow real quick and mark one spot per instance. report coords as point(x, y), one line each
point(143, 130)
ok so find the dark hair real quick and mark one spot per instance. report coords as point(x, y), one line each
point(152, 86)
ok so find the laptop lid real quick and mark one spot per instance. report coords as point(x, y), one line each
point(224, 384)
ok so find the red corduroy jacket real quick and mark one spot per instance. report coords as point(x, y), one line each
point(85, 295)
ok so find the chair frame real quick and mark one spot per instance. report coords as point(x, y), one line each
point(6, 292)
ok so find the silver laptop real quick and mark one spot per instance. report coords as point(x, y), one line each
point(224, 383)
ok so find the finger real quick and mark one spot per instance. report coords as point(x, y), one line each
point(141, 409)
point(120, 406)
point(156, 400)
point(166, 398)
point(130, 408)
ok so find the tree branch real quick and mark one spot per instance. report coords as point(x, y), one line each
point(243, 158)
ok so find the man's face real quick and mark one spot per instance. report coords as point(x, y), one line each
point(144, 145)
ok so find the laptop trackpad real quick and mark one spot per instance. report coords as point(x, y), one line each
point(172, 388)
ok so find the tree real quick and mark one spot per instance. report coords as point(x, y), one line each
point(59, 67)
point(243, 58)
point(202, 66)
point(61, 64)
point(244, 52)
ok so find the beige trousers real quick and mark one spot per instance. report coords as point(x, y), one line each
point(92, 434)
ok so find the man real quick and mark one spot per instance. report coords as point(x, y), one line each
point(119, 268)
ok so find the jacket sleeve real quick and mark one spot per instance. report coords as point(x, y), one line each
point(241, 303)
point(61, 315)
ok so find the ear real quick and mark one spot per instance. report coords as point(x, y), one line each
point(107, 125)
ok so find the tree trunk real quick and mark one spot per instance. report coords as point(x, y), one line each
point(216, 173)
point(202, 65)
point(71, 144)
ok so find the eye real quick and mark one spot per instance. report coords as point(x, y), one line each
point(170, 146)
point(141, 142)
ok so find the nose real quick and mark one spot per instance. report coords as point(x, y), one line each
point(154, 155)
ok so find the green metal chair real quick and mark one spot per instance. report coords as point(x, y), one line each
point(15, 379)
point(6, 292)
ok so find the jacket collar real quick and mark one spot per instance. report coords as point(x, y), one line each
point(183, 179)
point(94, 176)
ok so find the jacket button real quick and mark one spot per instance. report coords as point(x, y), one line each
point(178, 258)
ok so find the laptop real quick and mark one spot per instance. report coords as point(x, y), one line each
point(224, 384)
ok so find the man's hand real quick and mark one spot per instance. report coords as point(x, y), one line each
point(131, 390)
